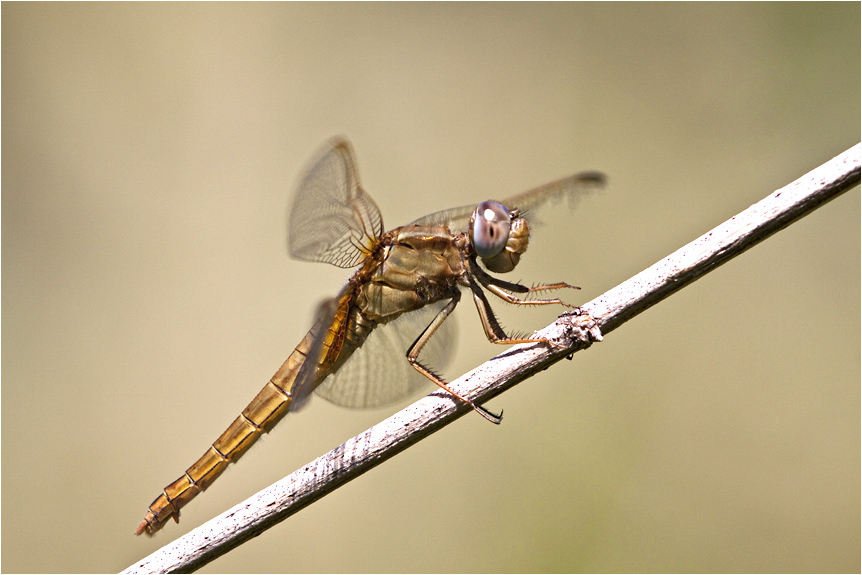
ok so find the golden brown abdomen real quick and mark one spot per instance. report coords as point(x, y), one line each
point(264, 411)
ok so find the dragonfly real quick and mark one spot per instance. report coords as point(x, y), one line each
point(421, 267)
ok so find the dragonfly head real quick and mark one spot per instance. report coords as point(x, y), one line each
point(498, 235)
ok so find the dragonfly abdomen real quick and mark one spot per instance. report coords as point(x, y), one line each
point(261, 414)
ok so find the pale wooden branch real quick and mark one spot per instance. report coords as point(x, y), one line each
point(572, 331)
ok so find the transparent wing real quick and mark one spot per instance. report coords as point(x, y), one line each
point(332, 219)
point(567, 189)
point(378, 374)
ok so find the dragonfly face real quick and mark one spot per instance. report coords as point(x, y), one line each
point(416, 271)
point(498, 236)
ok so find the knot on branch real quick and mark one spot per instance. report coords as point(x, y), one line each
point(580, 330)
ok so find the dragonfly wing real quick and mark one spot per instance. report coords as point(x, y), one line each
point(567, 189)
point(332, 218)
point(378, 374)
point(455, 218)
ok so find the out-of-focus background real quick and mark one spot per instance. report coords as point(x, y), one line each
point(149, 152)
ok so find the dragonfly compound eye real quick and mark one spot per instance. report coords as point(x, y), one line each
point(490, 232)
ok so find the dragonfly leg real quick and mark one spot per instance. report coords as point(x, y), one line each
point(416, 348)
point(502, 289)
point(506, 296)
point(493, 330)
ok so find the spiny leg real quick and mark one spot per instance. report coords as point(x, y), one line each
point(416, 348)
point(493, 330)
point(501, 289)
point(506, 296)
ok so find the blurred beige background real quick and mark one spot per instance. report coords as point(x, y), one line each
point(149, 152)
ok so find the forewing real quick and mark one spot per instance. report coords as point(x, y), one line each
point(567, 189)
point(332, 219)
point(378, 374)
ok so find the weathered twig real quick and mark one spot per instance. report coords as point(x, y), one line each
point(572, 332)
